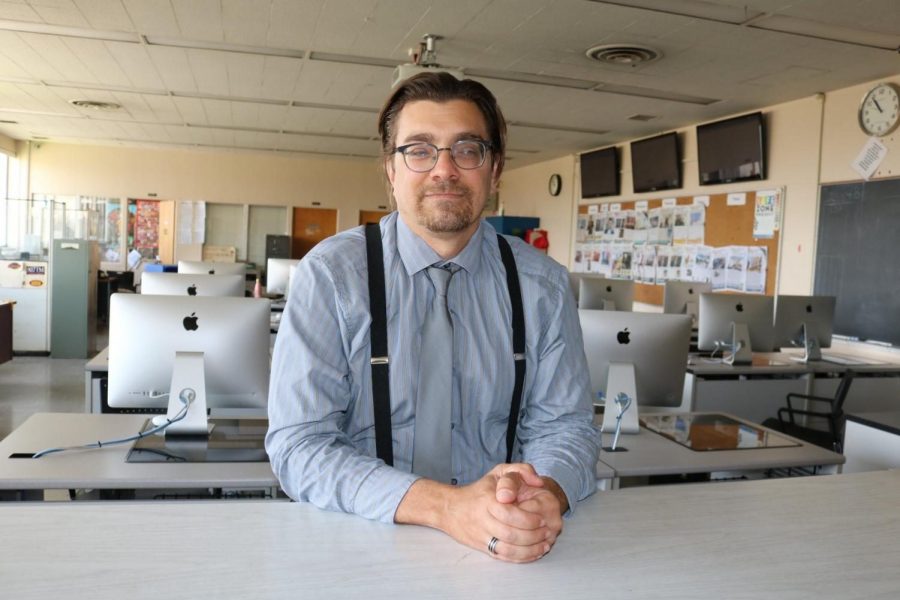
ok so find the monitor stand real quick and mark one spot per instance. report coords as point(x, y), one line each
point(692, 309)
point(741, 353)
point(811, 348)
point(620, 380)
point(188, 385)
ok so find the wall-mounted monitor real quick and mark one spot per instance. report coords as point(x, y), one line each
point(600, 173)
point(656, 163)
point(732, 150)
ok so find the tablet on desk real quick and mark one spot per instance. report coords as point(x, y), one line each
point(713, 432)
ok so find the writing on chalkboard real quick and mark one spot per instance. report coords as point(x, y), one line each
point(858, 258)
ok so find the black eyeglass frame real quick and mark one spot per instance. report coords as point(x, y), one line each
point(486, 146)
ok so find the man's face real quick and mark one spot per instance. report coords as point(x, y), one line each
point(446, 200)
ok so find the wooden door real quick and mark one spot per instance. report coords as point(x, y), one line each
point(311, 226)
point(371, 216)
point(167, 231)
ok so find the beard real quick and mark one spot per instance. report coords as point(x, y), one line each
point(446, 216)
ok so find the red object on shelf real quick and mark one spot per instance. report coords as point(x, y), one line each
point(538, 238)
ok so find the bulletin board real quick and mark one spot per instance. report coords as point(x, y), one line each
point(725, 226)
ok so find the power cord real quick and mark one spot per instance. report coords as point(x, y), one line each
point(186, 396)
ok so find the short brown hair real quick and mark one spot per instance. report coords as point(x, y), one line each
point(441, 86)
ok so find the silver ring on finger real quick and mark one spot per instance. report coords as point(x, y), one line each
point(492, 545)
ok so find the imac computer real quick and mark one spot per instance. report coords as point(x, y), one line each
point(740, 323)
point(172, 351)
point(805, 322)
point(278, 275)
point(180, 284)
point(196, 267)
point(643, 355)
point(683, 298)
point(599, 293)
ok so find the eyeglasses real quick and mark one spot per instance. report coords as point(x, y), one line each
point(422, 156)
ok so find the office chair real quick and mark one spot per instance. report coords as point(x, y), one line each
point(832, 439)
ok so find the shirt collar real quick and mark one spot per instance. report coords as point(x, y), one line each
point(417, 255)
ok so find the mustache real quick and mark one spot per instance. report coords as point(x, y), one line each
point(446, 187)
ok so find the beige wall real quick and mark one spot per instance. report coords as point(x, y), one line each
point(347, 185)
point(7, 145)
point(525, 193)
point(796, 132)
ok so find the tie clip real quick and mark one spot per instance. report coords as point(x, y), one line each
point(379, 360)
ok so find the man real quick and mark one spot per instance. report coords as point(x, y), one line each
point(443, 143)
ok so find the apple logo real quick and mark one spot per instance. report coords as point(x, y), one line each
point(623, 337)
point(809, 308)
point(190, 323)
point(212, 271)
point(609, 288)
point(691, 291)
point(739, 307)
point(192, 290)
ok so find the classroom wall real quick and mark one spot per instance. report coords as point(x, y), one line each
point(797, 132)
point(7, 145)
point(347, 185)
point(526, 194)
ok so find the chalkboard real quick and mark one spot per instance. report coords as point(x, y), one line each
point(858, 257)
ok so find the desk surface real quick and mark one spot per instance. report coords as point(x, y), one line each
point(650, 453)
point(781, 363)
point(762, 539)
point(888, 421)
point(106, 468)
point(99, 362)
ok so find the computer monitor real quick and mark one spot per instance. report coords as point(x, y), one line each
point(278, 274)
point(643, 355)
point(180, 284)
point(599, 293)
point(211, 268)
point(805, 322)
point(683, 298)
point(164, 349)
point(741, 323)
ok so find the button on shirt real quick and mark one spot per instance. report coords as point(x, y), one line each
point(321, 438)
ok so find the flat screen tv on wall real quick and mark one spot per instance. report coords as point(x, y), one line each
point(656, 163)
point(600, 173)
point(732, 150)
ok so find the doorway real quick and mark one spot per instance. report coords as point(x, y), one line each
point(371, 216)
point(311, 226)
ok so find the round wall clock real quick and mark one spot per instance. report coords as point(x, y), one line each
point(555, 184)
point(879, 111)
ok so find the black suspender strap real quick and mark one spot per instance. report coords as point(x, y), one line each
point(518, 326)
point(381, 391)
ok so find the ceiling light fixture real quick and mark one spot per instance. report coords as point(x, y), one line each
point(95, 105)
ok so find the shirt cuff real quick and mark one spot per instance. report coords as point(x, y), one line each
point(381, 492)
point(568, 480)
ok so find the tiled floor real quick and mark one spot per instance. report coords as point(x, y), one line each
point(31, 384)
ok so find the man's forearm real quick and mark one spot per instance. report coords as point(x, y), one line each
point(426, 503)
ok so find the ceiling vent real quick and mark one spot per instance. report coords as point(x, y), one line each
point(5, 122)
point(95, 105)
point(642, 118)
point(623, 55)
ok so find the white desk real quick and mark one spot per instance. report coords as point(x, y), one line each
point(756, 392)
point(872, 441)
point(106, 468)
point(813, 537)
point(650, 453)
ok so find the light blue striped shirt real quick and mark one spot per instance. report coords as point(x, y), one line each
point(321, 438)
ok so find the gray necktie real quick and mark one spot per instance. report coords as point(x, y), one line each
point(431, 448)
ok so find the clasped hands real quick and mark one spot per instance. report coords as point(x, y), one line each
point(510, 503)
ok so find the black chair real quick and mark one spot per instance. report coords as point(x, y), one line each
point(832, 438)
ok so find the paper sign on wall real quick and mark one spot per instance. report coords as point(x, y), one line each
point(703, 200)
point(593, 209)
point(869, 158)
point(641, 205)
point(737, 199)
